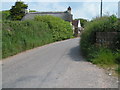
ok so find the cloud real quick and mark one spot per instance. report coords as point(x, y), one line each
point(90, 10)
point(48, 6)
point(87, 10)
point(110, 8)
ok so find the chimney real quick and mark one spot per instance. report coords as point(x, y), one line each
point(69, 9)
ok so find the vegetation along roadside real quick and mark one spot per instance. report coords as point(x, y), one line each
point(18, 36)
point(104, 55)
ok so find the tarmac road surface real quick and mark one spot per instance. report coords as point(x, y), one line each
point(56, 65)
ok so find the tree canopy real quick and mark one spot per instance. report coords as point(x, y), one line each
point(18, 11)
point(82, 21)
point(5, 15)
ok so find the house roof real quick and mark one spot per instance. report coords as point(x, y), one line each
point(47, 12)
point(63, 15)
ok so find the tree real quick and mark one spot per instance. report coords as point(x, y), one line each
point(5, 15)
point(18, 11)
point(82, 21)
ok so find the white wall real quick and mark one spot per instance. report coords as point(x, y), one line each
point(79, 24)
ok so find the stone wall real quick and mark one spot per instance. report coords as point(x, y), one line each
point(106, 38)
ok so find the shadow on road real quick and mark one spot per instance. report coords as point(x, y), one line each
point(75, 54)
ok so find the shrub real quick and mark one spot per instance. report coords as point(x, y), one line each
point(18, 36)
point(29, 35)
point(117, 60)
point(18, 10)
point(60, 29)
point(5, 15)
point(104, 24)
point(82, 21)
point(104, 57)
point(99, 54)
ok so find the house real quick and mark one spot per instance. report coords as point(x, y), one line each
point(65, 15)
point(77, 27)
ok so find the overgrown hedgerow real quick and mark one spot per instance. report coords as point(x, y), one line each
point(104, 24)
point(60, 29)
point(96, 54)
point(18, 36)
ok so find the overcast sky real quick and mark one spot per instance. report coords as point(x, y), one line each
point(87, 9)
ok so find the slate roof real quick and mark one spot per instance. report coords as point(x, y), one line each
point(47, 12)
point(64, 15)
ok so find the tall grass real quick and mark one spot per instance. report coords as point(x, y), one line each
point(101, 55)
point(104, 57)
point(18, 36)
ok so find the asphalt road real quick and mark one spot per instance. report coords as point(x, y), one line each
point(57, 65)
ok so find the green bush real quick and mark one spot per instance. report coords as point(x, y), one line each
point(18, 36)
point(100, 54)
point(104, 57)
point(82, 21)
point(5, 15)
point(117, 60)
point(118, 70)
point(104, 24)
point(60, 29)
point(17, 12)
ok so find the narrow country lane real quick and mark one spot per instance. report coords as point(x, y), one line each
point(57, 65)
